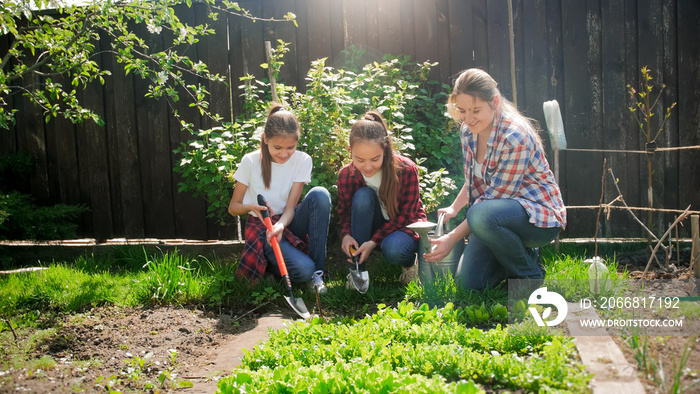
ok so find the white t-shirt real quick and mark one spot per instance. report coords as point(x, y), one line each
point(374, 182)
point(283, 176)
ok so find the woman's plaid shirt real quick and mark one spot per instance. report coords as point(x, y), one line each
point(515, 167)
point(410, 207)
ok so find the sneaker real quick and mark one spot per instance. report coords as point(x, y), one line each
point(358, 281)
point(317, 284)
point(409, 274)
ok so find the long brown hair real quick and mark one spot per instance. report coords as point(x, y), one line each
point(280, 122)
point(372, 127)
point(478, 83)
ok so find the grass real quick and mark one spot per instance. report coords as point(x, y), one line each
point(130, 277)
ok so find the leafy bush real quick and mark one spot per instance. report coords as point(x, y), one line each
point(333, 100)
point(406, 349)
point(24, 219)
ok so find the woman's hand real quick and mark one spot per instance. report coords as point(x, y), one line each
point(449, 212)
point(441, 248)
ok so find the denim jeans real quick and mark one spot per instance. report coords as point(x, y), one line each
point(311, 218)
point(398, 247)
point(503, 244)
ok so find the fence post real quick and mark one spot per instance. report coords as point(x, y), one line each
point(270, 72)
point(695, 254)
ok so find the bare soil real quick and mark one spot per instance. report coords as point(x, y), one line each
point(102, 348)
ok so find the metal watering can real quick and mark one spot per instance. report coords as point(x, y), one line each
point(429, 271)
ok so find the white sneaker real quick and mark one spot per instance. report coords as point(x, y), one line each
point(317, 283)
point(409, 274)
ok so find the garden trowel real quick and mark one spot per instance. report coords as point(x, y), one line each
point(359, 278)
point(296, 303)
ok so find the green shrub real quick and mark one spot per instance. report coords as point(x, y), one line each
point(332, 101)
point(22, 218)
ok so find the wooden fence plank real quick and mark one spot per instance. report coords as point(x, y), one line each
point(94, 166)
point(461, 37)
point(355, 26)
point(631, 183)
point(688, 111)
point(669, 136)
point(615, 102)
point(372, 29)
point(408, 28)
point(577, 108)
point(425, 25)
point(319, 27)
point(284, 31)
point(499, 46)
point(302, 40)
point(651, 55)
point(337, 33)
point(535, 67)
point(442, 11)
point(189, 213)
point(154, 150)
point(389, 27)
point(480, 33)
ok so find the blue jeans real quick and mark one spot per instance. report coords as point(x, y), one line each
point(311, 218)
point(503, 244)
point(398, 247)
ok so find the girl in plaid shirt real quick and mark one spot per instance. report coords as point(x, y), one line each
point(514, 204)
point(378, 196)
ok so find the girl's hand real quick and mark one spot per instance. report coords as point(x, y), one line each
point(441, 248)
point(277, 231)
point(348, 240)
point(364, 250)
point(258, 209)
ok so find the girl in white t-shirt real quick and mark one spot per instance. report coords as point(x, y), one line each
point(279, 172)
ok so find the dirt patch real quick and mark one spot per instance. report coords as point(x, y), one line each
point(132, 349)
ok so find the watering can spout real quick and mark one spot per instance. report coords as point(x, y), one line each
point(422, 229)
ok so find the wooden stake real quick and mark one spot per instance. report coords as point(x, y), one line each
point(695, 254)
point(270, 73)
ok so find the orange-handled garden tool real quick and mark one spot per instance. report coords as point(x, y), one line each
point(296, 303)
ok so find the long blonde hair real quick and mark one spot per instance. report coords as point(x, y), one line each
point(478, 83)
point(280, 122)
point(372, 127)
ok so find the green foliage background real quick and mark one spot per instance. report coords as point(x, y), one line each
point(412, 105)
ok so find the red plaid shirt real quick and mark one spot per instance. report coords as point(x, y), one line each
point(410, 207)
point(253, 262)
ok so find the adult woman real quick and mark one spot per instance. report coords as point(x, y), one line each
point(514, 204)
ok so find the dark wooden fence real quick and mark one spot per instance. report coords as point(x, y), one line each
point(581, 53)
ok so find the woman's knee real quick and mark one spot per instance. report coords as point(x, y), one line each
point(479, 218)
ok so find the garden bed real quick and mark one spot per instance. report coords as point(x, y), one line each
point(129, 348)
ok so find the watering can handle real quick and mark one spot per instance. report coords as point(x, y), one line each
point(439, 231)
